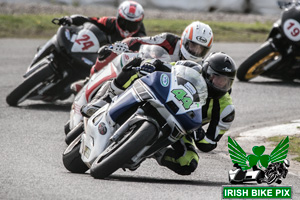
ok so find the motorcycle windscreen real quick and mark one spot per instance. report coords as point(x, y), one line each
point(176, 98)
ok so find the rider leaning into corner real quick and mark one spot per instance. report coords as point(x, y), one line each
point(195, 42)
point(218, 71)
point(127, 23)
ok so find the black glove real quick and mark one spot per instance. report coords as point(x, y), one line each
point(65, 21)
point(135, 62)
point(104, 52)
point(146, 68)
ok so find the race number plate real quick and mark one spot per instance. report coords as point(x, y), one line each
point(86, 42)
point(291, 29)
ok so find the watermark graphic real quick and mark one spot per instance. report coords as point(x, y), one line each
point(251, 192)
point(265, 168)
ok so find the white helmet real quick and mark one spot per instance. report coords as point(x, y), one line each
point(196, 40)
point(129, 18)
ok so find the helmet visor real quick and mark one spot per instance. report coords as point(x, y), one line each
point(127, 25)
point(195, 49)
point(219, 81)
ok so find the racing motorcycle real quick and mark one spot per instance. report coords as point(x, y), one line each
point(67, 57)
point(156, 111)
point(75, 125)
point(279, 56)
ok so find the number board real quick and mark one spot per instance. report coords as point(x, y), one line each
point(291, 29)
point(86, 41)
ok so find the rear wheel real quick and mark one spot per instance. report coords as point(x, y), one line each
point(72, 158)
point(255, 65)
point(120, 152)
point(20, 93)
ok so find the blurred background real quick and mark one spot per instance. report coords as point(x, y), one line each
point(263, 7)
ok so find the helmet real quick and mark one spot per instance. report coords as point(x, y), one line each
point(219, 71)
point(196, 40)
point(191, 64)
point(286, 163)
point(129, 18)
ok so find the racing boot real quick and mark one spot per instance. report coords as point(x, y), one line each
point(105, 95)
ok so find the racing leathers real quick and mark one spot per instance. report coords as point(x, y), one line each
point(182, 157)
point(107, 25)
point(170, 42)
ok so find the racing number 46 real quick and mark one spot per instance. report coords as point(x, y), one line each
point(181, 96)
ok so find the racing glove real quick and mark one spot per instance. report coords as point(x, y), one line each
point(119, 47)
point(65, 21)
point(146, 68)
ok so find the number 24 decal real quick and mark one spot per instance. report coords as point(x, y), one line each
point(86, 44)
point(181, 96)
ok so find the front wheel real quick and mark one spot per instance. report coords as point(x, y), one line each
point(72, 158)
point(263, 59)
point(20, 93)
point(120, 152)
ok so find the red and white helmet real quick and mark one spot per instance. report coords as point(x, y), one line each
point(196, 41)
point(129, 18)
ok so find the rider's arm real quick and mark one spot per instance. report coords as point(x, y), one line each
point(79, 19)
point(129, 72)
point(222, 117)
point(166, 40)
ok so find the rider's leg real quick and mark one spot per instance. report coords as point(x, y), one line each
point(181, 158)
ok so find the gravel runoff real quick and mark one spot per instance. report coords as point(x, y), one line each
point(107, 10)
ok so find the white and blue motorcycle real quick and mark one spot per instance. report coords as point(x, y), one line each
point(155, 112)
point(74, 126)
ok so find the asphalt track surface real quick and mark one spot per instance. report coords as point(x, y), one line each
point(32, 140)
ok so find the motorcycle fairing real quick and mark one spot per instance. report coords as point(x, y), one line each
point(110, 73)
point(86, 41)
point(156, 86)
point(186, 111)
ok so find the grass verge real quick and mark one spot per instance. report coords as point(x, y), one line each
point(40, 26)
point(294, 145)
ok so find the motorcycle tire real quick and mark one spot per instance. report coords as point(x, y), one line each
point(67, 127)
point(254, 65)
point(120, 152)
point(74, 133)
point(20, 93)
point(271, 178)
point(72, 158)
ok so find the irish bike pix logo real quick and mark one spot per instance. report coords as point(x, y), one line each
point(258, 167)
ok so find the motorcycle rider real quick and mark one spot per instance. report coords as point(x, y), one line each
point(127, 23)
point(218, 71)
point(195, 42)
